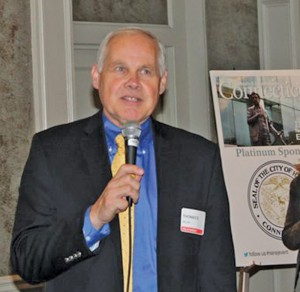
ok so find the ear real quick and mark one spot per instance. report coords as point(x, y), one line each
point(95, 76)
point(163, 83)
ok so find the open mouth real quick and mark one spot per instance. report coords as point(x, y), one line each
point(131, 98)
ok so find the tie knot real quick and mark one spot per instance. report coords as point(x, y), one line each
point(120, 143)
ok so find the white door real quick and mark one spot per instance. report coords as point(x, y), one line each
point(185, 50)
point(61, 47)
point(279, 42)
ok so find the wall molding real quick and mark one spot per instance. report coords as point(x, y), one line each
point(52, 61)
point(38, 65)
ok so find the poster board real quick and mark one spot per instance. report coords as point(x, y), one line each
point(258, 170)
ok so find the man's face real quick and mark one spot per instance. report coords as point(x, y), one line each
point(129, 84)
point(255, 99)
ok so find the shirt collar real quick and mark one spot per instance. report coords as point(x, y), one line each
point(111, 131)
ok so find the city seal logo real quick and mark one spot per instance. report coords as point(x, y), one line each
point(268, 195)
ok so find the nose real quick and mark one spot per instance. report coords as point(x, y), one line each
point(133, 81)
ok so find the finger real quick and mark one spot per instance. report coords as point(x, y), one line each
point(129, 190)
point(130, 169)
point(118, 183)
point(119, 189)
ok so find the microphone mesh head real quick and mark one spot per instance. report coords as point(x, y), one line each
point(131, 130)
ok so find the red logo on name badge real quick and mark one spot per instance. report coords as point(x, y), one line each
point(192, 230)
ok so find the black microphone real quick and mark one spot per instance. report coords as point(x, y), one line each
point(131, 132)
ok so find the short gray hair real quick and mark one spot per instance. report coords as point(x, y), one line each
point(102, 52)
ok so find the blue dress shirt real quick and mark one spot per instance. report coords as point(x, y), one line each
point(145, 229)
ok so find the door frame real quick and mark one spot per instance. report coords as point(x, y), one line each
point(52, 62)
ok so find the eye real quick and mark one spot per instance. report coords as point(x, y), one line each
point(120, 69)
point(146, 71)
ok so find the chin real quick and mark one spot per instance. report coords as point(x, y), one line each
point(132, 118)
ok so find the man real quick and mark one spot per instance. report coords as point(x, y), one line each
point(259, 123)
point(67, 222)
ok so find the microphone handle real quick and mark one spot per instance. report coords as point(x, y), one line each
point(130, 154)
point(130, 158)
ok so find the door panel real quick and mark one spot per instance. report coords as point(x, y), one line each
point(85, 100)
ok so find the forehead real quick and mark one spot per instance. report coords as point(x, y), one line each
point(131, 35)
point(132, 44)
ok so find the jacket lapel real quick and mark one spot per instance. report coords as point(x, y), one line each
point(94, 151)
point(165, 154)
point(166, 160)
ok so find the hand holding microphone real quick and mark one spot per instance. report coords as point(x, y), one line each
point(110, 202)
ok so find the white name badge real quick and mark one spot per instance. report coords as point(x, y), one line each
point(192, 221)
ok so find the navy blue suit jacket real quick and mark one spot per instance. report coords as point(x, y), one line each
point(68, 168)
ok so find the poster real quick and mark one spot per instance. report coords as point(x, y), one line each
point(258, 124)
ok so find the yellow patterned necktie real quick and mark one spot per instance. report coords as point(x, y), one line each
point(118, 160)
